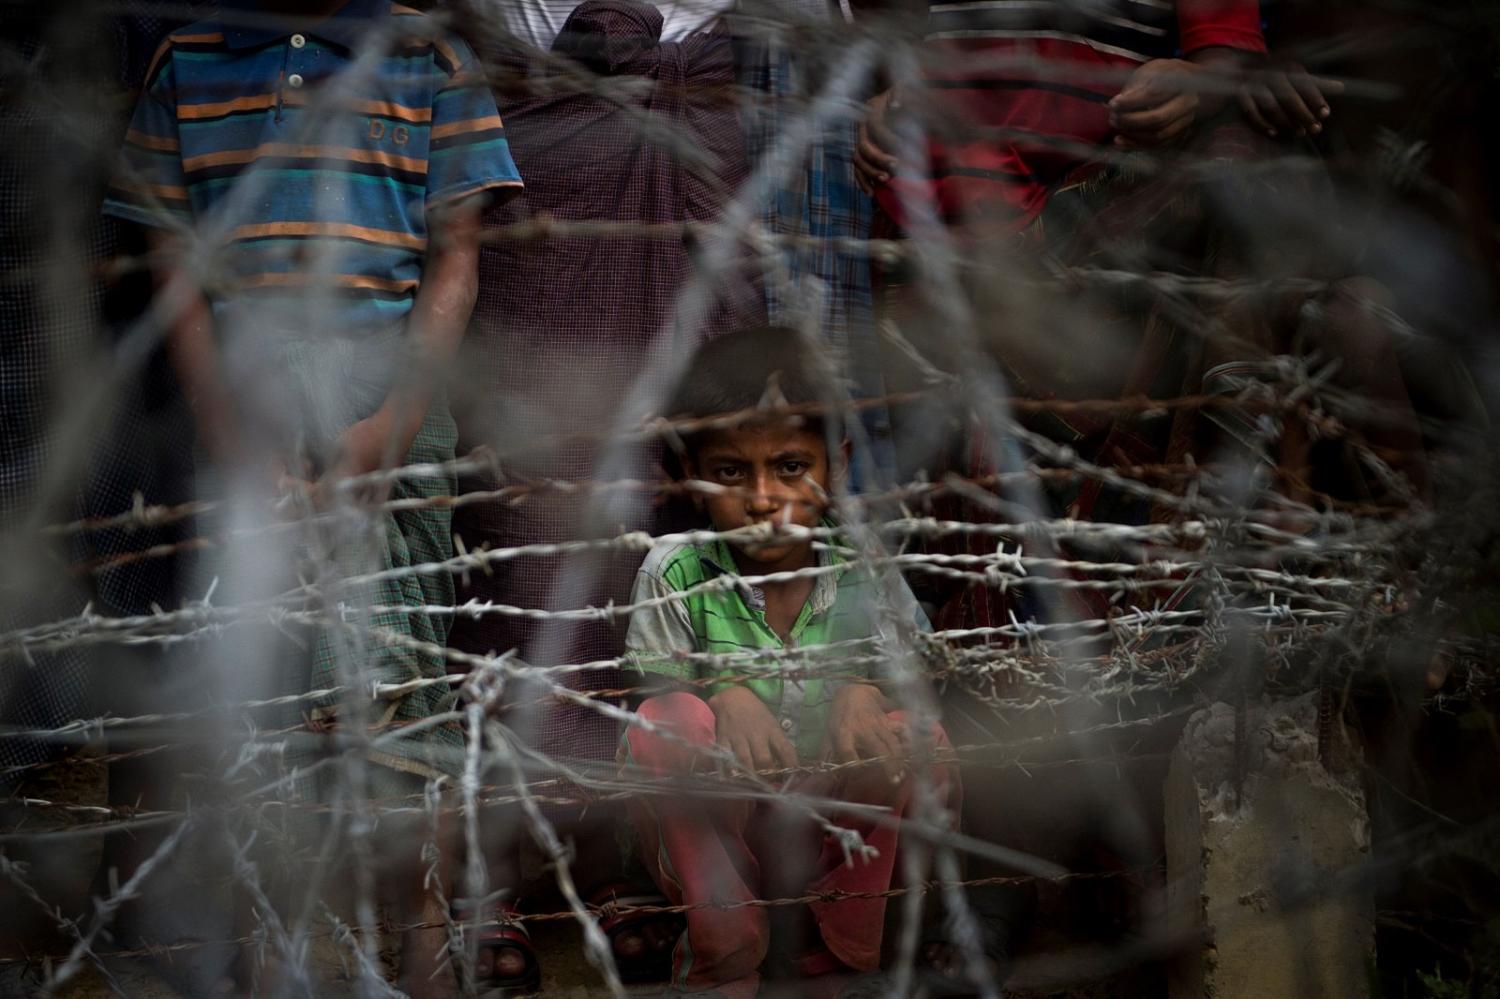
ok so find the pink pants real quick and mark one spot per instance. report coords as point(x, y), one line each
point(727, 851)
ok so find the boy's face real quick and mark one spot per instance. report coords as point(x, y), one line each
point(778, 473)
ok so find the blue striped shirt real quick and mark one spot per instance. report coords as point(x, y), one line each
point(306, 156)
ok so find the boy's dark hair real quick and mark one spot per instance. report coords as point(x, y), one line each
point(763, 367)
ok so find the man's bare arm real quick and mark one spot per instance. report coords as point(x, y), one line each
point(438, 319)
point(184, 308)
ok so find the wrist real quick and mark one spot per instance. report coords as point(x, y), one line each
point(856, 689)
point(399, 419)
point(1219, 70)
point(728, 695)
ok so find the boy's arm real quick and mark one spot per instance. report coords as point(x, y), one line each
point(858, 723)
point(660, 632)
point(184, 309)
point(149, 189)
point(439, 316)
point(1165, 98)
point(468, 164)
point(658, 635)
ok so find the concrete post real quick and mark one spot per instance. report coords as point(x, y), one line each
point(1264, 861)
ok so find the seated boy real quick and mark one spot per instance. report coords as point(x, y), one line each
point(774, 470)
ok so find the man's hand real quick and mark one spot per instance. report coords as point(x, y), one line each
point(1287, 99)
point(858, 729)
point(368, 446)
point(747, 729)
point(874, 156)
point(1159, 103)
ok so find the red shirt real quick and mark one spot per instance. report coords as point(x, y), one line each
point(1042, 68)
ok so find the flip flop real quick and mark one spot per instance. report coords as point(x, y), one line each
point(654, 964)
point(500, 932)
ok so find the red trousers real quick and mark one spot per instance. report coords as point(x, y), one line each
point(728, 851)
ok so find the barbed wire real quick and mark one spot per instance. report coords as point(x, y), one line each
point(1230, 559)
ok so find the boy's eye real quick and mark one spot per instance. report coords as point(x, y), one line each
point(794, 469)
point(726, 472)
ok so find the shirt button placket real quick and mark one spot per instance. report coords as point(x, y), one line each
point(294, 79)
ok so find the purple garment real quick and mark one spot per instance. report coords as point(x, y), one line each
point(566, 325)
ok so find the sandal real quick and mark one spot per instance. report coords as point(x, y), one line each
point(657, 933)
point(498, 933)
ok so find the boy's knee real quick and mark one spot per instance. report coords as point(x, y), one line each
point(933, 735)
point(687, 715)
point(735, 951)
point(688, 722)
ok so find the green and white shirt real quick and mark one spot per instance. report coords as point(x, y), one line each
point(696, 608)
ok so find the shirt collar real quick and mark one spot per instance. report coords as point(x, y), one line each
point(719, 557)
point(247, 24)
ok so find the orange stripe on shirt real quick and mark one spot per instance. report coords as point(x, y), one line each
point(271, 150)
point(298, 98)
point(162, 52)
point(259, 102)
point(470, 125)
point(209, 38)
point(302, 279)
point(389, 109)
point(446, 51)
point(266, 230)
point(160, 143)
point(170, 192)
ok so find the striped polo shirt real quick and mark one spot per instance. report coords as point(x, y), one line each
point(999, 69)
point(693, 602)
point(305, 156)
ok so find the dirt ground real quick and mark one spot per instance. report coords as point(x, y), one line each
point(66, 866)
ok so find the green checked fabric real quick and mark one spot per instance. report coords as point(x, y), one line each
point(405, 538)
point(702, 608)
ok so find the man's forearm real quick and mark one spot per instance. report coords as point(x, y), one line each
point(438, 320)
point(183, 307)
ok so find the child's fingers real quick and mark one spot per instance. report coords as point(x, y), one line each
point(784, 752)
point(1292, 103)
point(901, 730)
point(1141, 91)
point(877, 143)
point(861, 183)
point(735, 747)
point(1136, 98)
point(1146, 123)
point(1173, 129)
point(765, 753)
point(1270, 108)
point(1311, 94)
point(843, 748)
point(1251, 107)
point(888, 745)
point(1329, 85)
point(868, 173)
point(882, 141)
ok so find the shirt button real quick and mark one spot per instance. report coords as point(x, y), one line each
point(298, 41)
point(294, 81)
point(786, 724)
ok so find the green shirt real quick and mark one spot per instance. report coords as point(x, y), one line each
point(695, 603)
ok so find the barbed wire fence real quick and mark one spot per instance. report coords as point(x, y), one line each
point(1302, 534)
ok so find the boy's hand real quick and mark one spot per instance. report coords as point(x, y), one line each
point(1160, 102)
point(747, 729)
point(363, 448)
point(858, 729)
point(874, 155)
point(1288, 98)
